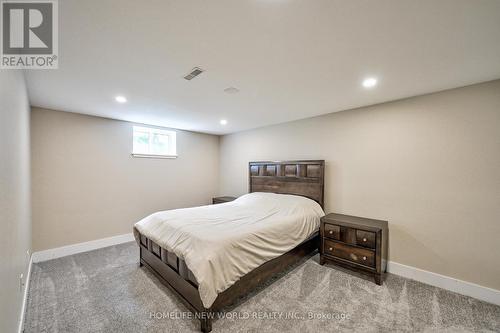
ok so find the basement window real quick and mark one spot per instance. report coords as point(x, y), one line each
point(154, 143)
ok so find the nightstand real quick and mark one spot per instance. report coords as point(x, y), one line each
point(218, 200)
point(355, 242)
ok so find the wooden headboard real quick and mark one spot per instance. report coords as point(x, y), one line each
point(305, 178)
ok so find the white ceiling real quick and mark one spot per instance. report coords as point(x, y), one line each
point(290, 59)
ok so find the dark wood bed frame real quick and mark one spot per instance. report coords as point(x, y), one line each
point(305, 178)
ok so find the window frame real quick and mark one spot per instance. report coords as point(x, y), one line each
point(172, 142)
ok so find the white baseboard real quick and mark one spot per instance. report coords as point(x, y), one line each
point(445, 282)
point(461, 287)
point(80, 247)
point(25, 296)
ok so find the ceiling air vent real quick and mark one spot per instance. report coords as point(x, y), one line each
point(194, 73)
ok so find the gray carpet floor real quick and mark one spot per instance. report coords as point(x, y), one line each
point(106, 291)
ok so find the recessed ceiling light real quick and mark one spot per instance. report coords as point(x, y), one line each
point(223, 122)
point(369, 82)
point(121, 99)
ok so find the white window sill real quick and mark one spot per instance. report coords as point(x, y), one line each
point(154, 156)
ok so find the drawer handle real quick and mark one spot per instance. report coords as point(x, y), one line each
point(330, 249)
point(364, 239)
point(364, 258)
point(331, 232)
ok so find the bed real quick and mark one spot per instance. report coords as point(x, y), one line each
point(210, 256)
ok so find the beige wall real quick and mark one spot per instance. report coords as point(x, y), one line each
point(430, 165)
point(14, 195)
point(86, 185)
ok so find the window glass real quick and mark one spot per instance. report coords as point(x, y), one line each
point(153, 141)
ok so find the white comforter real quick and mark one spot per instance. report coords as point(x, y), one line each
point(221, 243)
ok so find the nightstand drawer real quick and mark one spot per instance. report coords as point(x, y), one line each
point(332, 231)
point(343, 234)
point(361, 256)
point(365, 238)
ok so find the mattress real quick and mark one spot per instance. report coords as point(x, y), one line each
point(221, 243)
